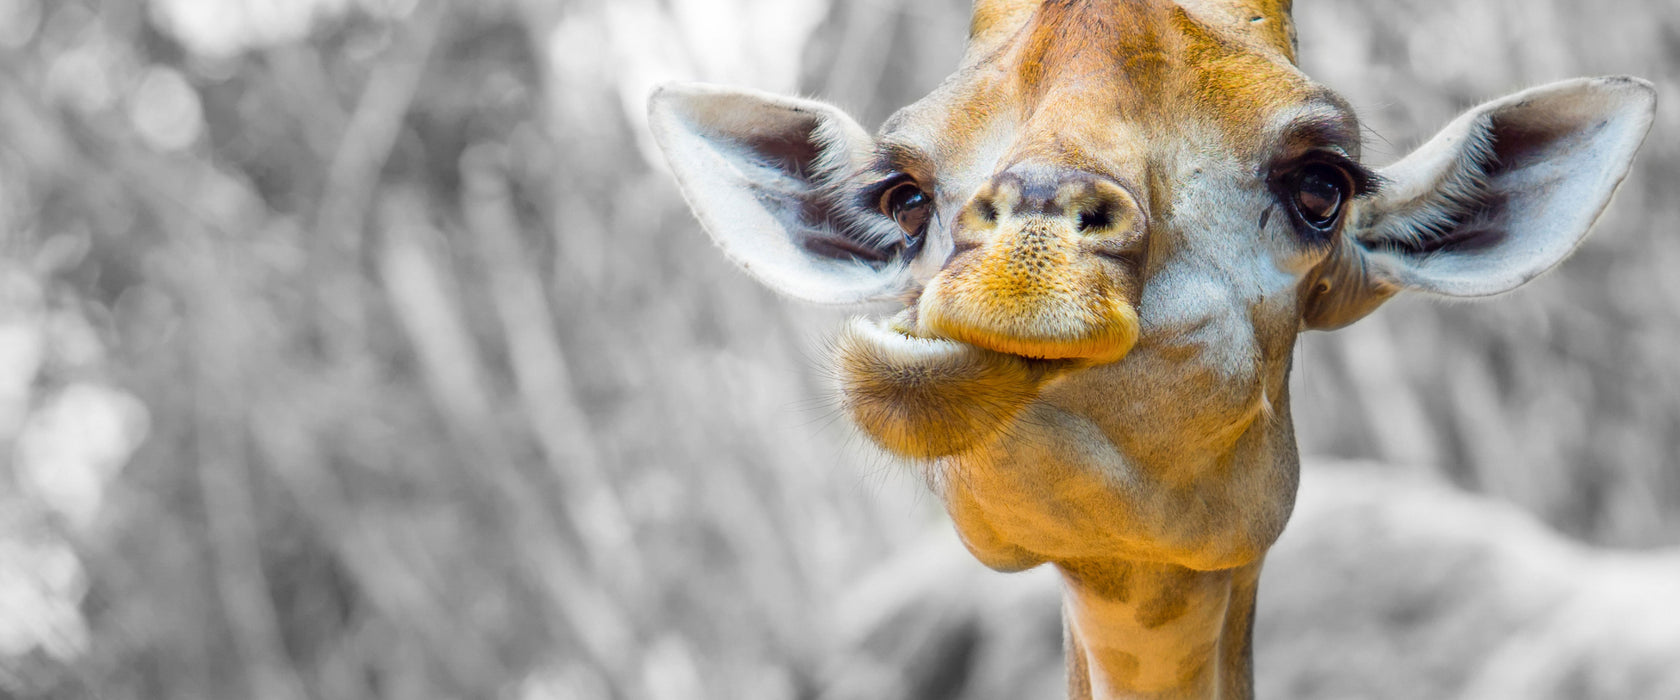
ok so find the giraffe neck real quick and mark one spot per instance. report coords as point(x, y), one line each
point(1149, 630)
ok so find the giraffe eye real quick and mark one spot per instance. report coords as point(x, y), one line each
point(1318, 192)
point(909, 207)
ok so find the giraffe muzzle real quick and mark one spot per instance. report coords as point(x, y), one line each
point(1042, 270)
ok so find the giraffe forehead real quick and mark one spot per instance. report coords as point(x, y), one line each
point(1082, 82)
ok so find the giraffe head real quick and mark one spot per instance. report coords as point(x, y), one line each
point(1108, 227)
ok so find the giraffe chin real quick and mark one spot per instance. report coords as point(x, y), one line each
point(926, 398)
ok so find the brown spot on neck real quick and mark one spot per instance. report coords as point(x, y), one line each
point(1108, 579)
point(1168, 604)
point(1158, 630)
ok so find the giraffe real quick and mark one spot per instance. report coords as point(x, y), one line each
point(1107, 229)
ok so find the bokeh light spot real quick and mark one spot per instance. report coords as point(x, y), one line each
point(165, 110)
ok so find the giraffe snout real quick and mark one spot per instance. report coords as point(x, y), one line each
point(1085, 204)
point(1046, 264)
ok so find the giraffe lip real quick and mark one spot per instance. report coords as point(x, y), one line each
point(1038, 295)
point(930, 397)
point(902, 326)
point(1126, 257)
point(1049, 354)
point(1129, 253)
point(1024, 335)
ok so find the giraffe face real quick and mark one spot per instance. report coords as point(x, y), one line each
point(1107, 229)
point(1102, 181)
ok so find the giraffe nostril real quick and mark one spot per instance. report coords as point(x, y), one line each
point(986, 210)
point(1100, 216)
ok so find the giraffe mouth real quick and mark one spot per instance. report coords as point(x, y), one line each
point(1038, 290)
point(911, 326)
point(927, 397)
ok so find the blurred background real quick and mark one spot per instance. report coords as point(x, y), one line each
point(363, 349)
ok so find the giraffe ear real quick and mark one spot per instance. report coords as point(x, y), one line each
point(770, 178)
point(1498, 197)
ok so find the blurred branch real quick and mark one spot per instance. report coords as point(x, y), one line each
point(224, 481)
point(545, 386)
point(451, 369)
point(865, 48)
point(354, 173)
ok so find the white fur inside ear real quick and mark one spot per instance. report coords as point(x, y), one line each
point(1439, 186)
point(729, 150)
point(1507, 190)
